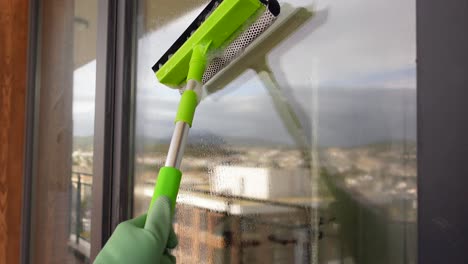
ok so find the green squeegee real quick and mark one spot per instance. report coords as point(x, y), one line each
point(217, 36)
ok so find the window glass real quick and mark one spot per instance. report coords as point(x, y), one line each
point(61, 204)
point(203, 221)
point(304, 149)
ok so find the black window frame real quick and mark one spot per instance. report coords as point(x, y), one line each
point(442, 119)
point(32, 97)
point(115, 105)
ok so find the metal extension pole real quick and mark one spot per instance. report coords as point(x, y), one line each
point(177, 146)
point(179, 137)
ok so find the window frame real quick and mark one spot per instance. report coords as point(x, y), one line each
point(442, 66)
point(113, 143)
point(32, 98)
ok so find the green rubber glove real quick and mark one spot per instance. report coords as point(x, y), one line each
point(142, 239)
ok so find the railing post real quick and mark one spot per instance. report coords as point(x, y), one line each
point(70, 206)
point(78, 209)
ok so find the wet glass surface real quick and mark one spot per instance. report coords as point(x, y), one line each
point(303, 150)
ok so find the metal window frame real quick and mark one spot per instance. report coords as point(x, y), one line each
point(114, 111)
point(32, 97)
point(442, 74)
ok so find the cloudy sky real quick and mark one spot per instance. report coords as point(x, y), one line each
point(349, 74)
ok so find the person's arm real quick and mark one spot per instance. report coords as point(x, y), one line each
point(145, 239)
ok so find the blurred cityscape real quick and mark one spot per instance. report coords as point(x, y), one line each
point(266, 204)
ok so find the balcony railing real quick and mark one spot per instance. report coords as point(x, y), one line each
point(79, 220)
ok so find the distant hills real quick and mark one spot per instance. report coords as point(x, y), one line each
point(208, 142)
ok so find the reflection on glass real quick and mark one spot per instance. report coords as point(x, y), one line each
point(82, 157)
point(84, 79)
point(304, 149)
point(61, 221)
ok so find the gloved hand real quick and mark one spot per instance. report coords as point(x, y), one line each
point(145, 239)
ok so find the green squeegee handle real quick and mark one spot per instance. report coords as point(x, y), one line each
point(198, 62)
point(168, 181)
point(167, 184)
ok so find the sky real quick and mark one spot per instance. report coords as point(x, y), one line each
point(348, 73)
